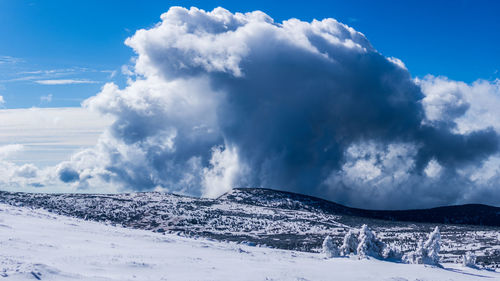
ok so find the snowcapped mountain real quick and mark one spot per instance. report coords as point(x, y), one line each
point(279, 219)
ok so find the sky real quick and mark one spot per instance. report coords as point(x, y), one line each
point(82, 41)
point(366, 104)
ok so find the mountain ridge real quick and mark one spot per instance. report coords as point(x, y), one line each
point(453, 214)
point(268, 218)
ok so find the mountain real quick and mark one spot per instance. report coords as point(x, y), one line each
point(278, 219)
point(473, 214)
point(38, 245)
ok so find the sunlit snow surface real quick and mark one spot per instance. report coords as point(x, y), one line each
point(37, 245)
point(262, 217)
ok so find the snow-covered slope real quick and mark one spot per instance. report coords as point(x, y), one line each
point(38, 245)
point(257, 216)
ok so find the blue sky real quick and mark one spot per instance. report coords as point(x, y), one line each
point(81, 42)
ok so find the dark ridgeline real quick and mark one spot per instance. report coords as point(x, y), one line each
point(472, 214)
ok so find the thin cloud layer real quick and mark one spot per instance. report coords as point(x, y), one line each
point(65, 81)
point(224, 100)
point(47, 136)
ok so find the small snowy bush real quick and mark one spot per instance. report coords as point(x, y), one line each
point(350, 243)
point(329, 249)
point(392, 253)
point(369, 244)
point(416, 256)
point(428, 252)
point(469, 260)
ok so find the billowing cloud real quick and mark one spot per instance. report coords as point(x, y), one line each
point(219, 100)
point(2, 101)
point(45, 138)
point(470, 107)
point(11, 174)
point(6, 150)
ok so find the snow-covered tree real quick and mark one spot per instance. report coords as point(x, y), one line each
point(416, 256)
point(392, 253)
point(433, 246)
point(469, 260)
point(350, 243)
point(428, 252)
point(369, 244)
point(330, 250)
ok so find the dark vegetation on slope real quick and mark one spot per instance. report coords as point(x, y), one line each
point(473, 214)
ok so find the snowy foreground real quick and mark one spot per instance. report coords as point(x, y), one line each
point(37, 245)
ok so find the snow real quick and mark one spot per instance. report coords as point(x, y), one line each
point(469, 259)
point(369, 244)
point(329, 249)
point(428, 252)
point(38, 245)
point(262, 217)
point(350, 243)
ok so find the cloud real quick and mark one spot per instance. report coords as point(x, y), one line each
point(6, 150)
point(64, 71)
point(227, 100)
point(49, 135)
point(64, 81)
point(464, 109)
point(397, 62)
point(217, 100)
point(63, 76)
point(470, 107)
point(47, 98)
point(67, 174)
point(222, 172)
point(47, 139)
point(11, 174)
point(2, 101)
point(9, 60)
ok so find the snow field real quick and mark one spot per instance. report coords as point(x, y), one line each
point(37, 245)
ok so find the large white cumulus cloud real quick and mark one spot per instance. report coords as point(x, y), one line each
point(470, 107)
point(222, 100)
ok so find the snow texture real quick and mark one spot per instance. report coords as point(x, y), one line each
point(469, 259)
point(369, 245)
point(428, 252)
point(37, 245)
point(329, 249)
point(350, 244)
point(275, 219)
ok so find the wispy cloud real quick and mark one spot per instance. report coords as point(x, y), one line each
point(9, 59)
point(51, 71)
point(49, 135)
point(47, 98)
point(65, 71)
point(65, 81)
point(62, 76)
